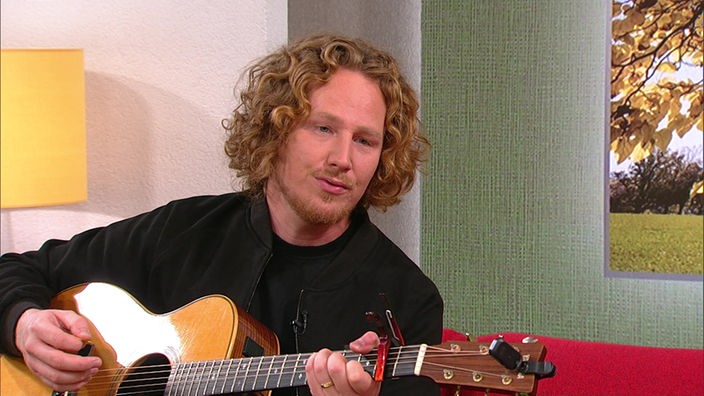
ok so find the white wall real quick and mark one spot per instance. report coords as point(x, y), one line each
point(159, 79)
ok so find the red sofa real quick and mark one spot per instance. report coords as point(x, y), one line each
point(594, 368)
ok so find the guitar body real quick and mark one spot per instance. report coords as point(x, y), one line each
point(127, 337)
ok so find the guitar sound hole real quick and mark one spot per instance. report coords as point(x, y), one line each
point(147, 377)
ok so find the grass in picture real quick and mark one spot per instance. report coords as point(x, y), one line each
point(664, 243)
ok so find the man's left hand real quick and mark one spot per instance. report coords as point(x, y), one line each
point(329, 373)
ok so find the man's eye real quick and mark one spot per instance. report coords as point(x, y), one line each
point(364, 142)
point(323, 129)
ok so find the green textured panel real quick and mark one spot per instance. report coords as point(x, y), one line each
point(512, 230)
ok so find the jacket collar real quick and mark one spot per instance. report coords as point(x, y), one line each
point(261, 221)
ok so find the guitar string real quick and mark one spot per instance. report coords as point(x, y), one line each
point(259, 371)
point(165, 368)
point(200, 378)
point(209, 387)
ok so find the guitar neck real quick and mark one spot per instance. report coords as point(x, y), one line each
point(215, 377)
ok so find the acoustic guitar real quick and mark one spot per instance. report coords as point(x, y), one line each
point(211, 347)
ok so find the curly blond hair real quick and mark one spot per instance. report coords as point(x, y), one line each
point(275, 99)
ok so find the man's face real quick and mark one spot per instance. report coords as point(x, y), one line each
point(329, 158)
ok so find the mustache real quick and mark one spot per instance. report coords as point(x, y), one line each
point(338, 177)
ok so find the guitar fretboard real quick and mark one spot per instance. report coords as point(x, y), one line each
point(216, 377)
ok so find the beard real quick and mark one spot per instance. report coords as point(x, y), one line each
point(332, 210)
point(328, 214)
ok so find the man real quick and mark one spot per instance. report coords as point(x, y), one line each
point(326, 128)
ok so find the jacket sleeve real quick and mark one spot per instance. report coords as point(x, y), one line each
point(118, 253)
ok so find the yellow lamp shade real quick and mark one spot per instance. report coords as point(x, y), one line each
point(43, 131)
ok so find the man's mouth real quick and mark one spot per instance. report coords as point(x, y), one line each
point(333, 185)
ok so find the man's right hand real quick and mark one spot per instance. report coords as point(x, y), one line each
point(49, 340)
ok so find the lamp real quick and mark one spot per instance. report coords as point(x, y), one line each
point(43, 131)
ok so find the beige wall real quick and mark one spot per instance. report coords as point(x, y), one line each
point(159, 79)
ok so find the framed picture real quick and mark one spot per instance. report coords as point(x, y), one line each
point(655, 145)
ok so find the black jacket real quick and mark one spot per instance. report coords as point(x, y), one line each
point(198, 246)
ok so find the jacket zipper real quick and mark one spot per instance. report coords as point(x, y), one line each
point(296, 332)
point(256, 284)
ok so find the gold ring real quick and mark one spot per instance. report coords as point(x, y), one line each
point(326, 385)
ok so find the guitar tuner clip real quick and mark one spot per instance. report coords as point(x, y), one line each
point(510, 358)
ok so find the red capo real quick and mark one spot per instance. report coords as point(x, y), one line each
point(384, 343)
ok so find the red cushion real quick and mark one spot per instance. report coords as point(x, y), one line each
point(594, 368)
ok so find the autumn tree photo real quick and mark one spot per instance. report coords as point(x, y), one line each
point(651, 41)
point(657, 92)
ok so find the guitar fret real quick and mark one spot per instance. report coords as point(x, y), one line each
point(255, 380)
point(361, 359)
point(368, 365)
point(204, 377)
point(187, 379)
point(398, 355)
point(193, 379)
point(282, 369)
point(172, 381)
point(214, 378)
point(268, 374)
point(247, 363)
point(237, 375)
point(233, 379)
point(300, 372)
point(408, 361)
point(198, 379)
point(293, 372)
point(400, 362)
point(287, 371)
point(210, 378)
point(247, 375)
point(225, 376)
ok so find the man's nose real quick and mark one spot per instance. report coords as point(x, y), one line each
point(341, 152)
